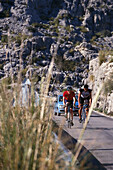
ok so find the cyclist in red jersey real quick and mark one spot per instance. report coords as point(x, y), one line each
point(69, 98)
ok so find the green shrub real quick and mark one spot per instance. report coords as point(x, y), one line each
point(4, 39)
point(56, 22)
point(108, 86)
point(65, 65)
point(1, 66)
point(105, 111)
point(110, 113)
point(5, 13)
point(66, 38)
point(55, 29)
point(31, 29)
point(103, 33)
point(36, 24)
point(23, 73)
point(81, 18)
point(83, 29)
point(51, 19)
point(71, 51)
point(110, 52)
point(93, 39)
point(40, 25)
point(67, 28)
point(99, 109)
point(68, 65)
point(77, 43)
point(18, 40)
point(102, 57)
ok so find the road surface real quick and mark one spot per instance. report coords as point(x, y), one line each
point(98, 136)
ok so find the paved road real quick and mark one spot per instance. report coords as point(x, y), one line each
point(98, 137)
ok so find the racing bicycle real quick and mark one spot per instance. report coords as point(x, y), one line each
point(69, 115)
point(84, 112)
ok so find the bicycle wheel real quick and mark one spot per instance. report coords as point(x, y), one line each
point(69, 124)
point(83, 116)
point(69, 120)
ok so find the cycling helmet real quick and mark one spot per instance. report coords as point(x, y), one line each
point(69, 88)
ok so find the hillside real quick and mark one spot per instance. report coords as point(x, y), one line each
point(30, 30)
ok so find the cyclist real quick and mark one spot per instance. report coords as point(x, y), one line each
point(84, 97)
point(69, 98)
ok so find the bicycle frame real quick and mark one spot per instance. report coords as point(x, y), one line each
point(69, 116)
point(84, 112)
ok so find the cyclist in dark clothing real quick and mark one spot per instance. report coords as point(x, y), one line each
point(84, 97)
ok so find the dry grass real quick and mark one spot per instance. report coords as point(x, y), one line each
point(26, 133)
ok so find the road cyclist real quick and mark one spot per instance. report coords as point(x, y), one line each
point(68, 102)
point(84, 101)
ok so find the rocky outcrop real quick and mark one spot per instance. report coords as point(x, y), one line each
point(99, 74)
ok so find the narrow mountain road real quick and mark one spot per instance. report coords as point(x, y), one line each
point(98, 136)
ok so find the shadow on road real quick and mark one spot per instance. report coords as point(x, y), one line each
point(101, 149)
point(97, 116)
point(108, 165)
point(99, 128)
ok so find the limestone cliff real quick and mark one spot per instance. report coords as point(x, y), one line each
point(99, 74)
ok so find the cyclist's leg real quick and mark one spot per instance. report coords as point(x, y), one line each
point(87, 107)
point(80, 111)
point(81, 107)
point(66, 111)
point(71, 111)
point(87, 110)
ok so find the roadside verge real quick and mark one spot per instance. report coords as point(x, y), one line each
point(103, 114)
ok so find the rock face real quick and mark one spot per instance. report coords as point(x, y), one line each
point(31, 30)
point(99, 74)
